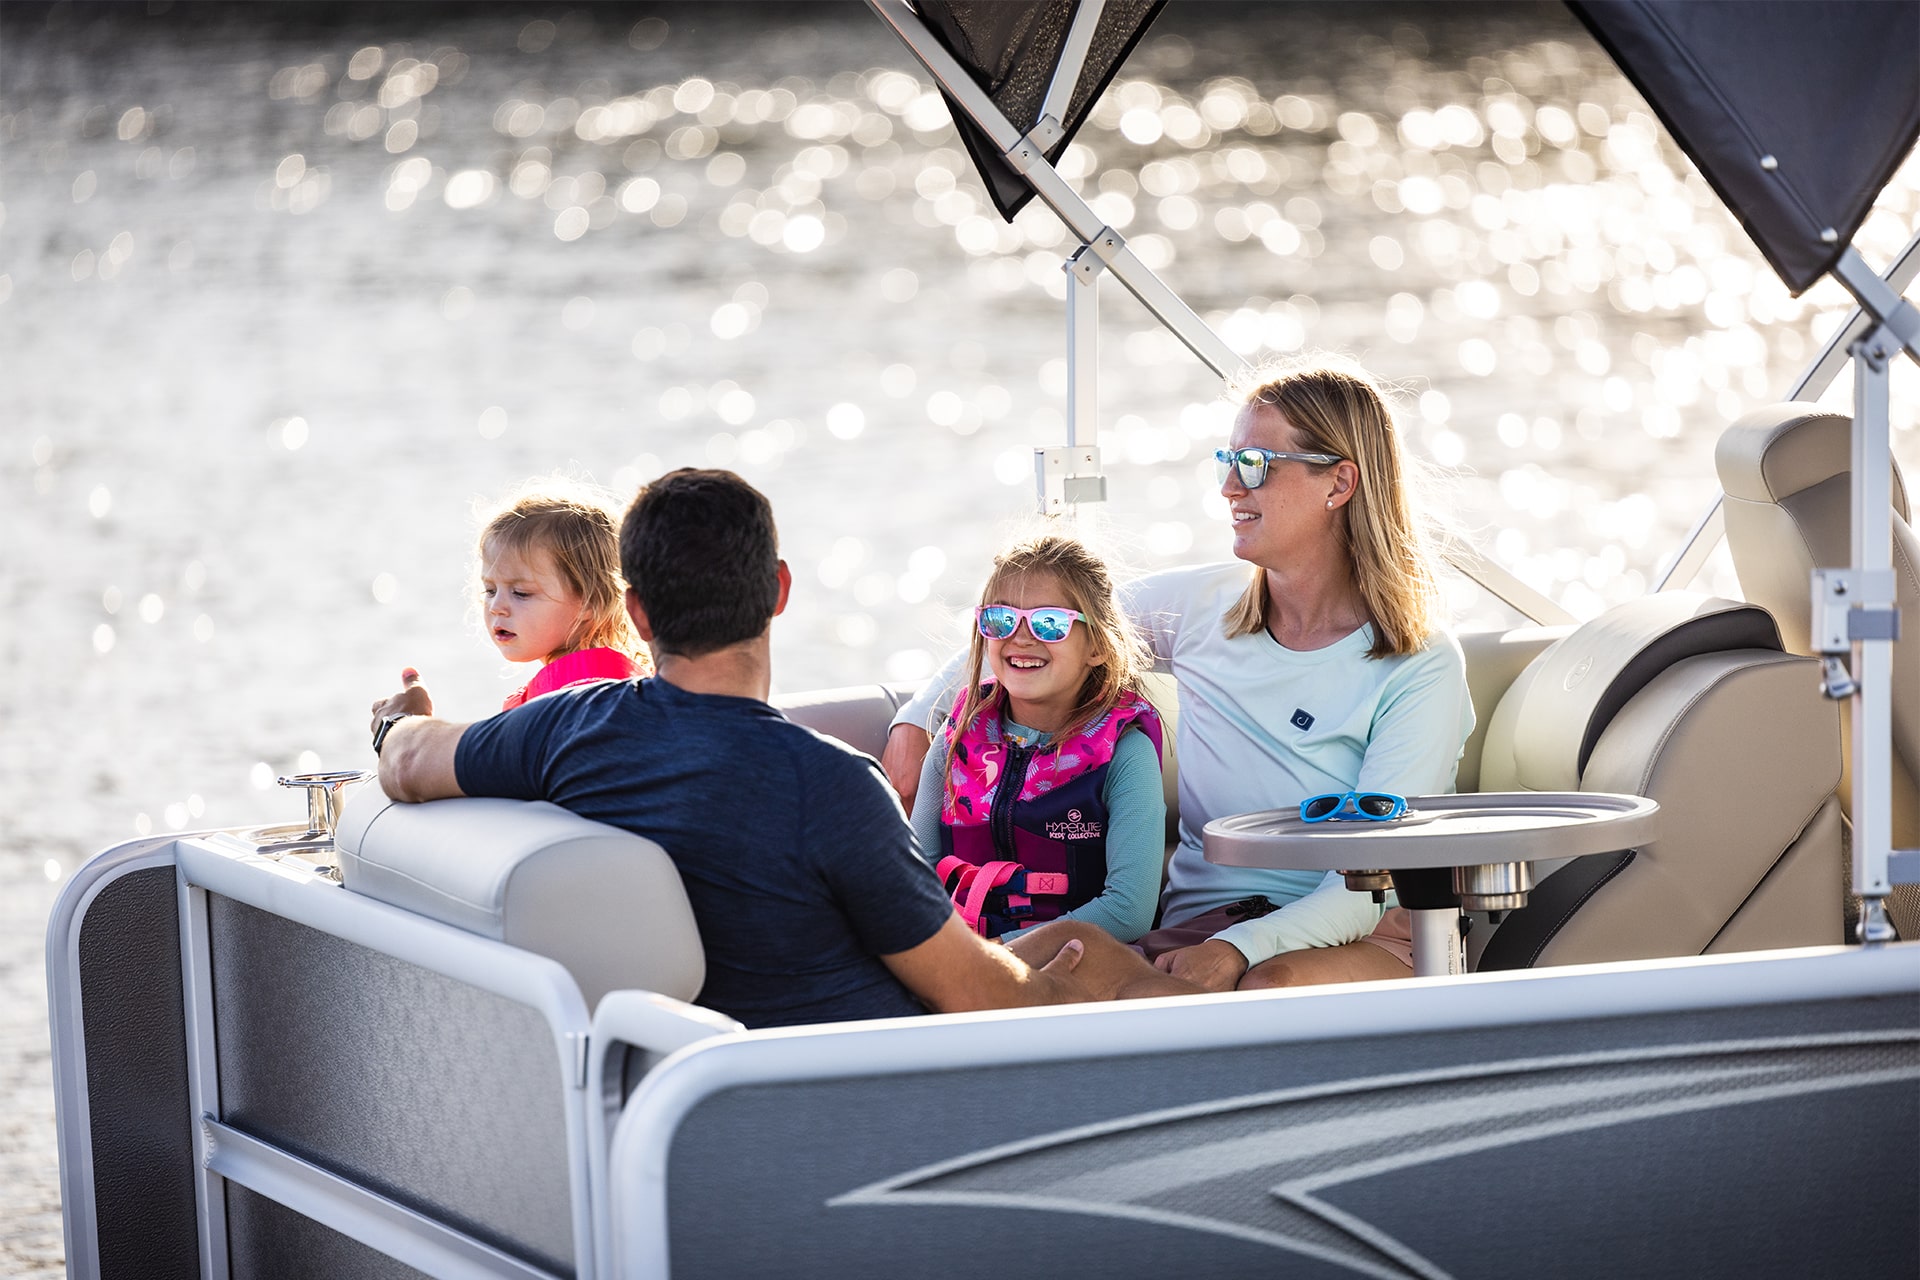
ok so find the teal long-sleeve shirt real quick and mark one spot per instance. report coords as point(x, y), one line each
point(1136, 831)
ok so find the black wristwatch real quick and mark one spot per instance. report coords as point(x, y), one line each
point(386, 727)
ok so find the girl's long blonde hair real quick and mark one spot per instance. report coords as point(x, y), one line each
point(1342, 411)
point(576, 531)
point(1088, 589)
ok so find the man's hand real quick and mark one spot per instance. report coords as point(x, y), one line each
point(416, 762)
point(1106, 969)
point(412, 700)
point(1213, 965)
point(905, 752)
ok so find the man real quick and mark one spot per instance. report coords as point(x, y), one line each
point(812, 900)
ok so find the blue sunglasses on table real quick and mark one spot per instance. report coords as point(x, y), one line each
point(1252, 463)
point(1349, 806)
point(1048, 625)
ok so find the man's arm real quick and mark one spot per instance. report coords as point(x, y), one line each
point(416, 761)
point(958, 971)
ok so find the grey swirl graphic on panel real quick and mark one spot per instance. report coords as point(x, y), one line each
point(1256, 1167)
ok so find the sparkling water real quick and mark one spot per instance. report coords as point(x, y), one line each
point(286, 295)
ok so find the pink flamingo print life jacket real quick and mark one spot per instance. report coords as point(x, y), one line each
point(1023, 830)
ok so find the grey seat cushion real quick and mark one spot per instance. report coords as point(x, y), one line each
point(602, 901)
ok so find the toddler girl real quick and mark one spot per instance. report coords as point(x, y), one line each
point(550, 587)
point(1042, 795)
point(551, 592)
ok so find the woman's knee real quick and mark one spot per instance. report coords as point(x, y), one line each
point(1354, 962)
point(1277, 972)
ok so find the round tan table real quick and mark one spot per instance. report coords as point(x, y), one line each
point(1488, 837)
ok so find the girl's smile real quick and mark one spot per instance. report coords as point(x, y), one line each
point(532, 615)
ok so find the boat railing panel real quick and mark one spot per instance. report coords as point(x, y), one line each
point(402, 1083)
point(121, 1095)
point(425, 1089)
point(1319, 1130)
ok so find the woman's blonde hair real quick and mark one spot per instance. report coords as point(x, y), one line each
point(1088, 589)
point(576, 531)
point(1342, 411)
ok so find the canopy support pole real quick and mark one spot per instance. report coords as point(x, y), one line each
point(1073, 57)
point(1855, 609)
point(1071, 475)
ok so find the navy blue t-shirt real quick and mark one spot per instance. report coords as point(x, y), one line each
point(798, 862)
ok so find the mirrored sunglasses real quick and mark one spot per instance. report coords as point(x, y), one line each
point(1252, 463)
point(1350, 806)
point(1048, 625)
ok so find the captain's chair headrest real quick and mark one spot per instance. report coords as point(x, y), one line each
point(604, 902)
point(1546, 725)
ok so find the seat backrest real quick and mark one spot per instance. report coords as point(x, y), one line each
point(605, 903)
point(1787, 473)
point(1494, 660)
point(1688, 700)
point(857, 715)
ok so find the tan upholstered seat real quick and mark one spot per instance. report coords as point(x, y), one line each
point(1786, 470)
point(602, 901)
point(1690, 701)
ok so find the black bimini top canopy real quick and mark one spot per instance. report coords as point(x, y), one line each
point(1797, 113)
point(1011, 51)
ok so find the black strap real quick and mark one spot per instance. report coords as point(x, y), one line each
point(1525, 933)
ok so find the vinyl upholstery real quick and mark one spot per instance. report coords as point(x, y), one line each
point(602, 901)
point(1688, 700)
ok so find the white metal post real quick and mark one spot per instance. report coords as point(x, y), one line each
point(1872, 616)
point(1873, 654)
point(1073, 57)
point(1083, 347)
point(1067, 476)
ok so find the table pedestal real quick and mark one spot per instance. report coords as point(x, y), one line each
point(1436, 942)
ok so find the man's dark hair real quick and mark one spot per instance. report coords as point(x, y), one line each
point(700, 552)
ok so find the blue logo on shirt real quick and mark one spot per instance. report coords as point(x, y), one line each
point(1301, 720)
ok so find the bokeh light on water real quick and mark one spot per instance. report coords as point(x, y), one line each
point(283, 291)
point(284, 296)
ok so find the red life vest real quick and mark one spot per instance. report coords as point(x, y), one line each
point(1023, 830)
point(577, 667)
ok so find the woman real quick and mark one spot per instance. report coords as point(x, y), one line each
point(1323, 669)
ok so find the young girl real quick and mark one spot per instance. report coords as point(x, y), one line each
point(551, 593)
point(550, 587)
point(1042, 795)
